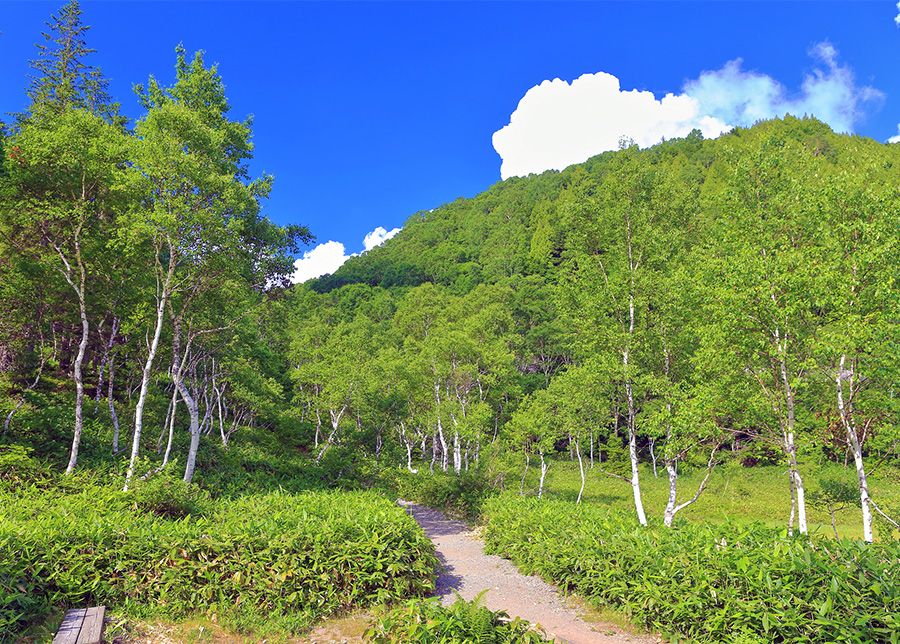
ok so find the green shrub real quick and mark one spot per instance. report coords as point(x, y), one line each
point(18, 468)
point(460, 495)
point(275, 556)
point(709, 583)
point(166, 495)
point(427, 622)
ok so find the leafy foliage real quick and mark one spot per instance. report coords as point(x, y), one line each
point(722, 583)
point(282, 556)
point(429, 623)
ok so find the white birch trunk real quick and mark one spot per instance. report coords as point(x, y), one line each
point(111, 399)
point(194, 413)
point(846, 411)
point(148, 368)
point(581, 469)
point(544, 467)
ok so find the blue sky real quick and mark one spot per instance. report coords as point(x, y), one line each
point(367, 113)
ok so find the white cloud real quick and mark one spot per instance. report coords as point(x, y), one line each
point(897, 17)
point(558, 123)
point(326, 258)
point(377, 237)
point(896, 138)
point(322, 260)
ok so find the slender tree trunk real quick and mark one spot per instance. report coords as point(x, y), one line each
point(671, 468)
point(793, 504)
point(457, 456)
point(148, 368)
point(194, 412)
point(581, 469)
point(111, 400)
point(434, 451)
point(171, 428)
point(632, 453)
point(335, 424)
point(444, 456)
point(592, 449)
point(653, 457)
point(12, 413)
point(79, 359)
point(790, 447)
point(846, 411)
point(544, 467)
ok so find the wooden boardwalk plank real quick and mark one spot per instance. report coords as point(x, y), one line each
point(71, 627)
point(92, 629)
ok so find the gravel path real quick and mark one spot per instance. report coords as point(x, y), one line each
point(468, 570)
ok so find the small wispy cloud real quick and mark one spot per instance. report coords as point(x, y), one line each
point(326, 258)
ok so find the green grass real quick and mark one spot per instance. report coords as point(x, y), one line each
point(737, 494)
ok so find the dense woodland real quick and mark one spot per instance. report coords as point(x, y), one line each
point(656, 313)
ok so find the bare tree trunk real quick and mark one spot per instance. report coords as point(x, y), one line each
point(171, 428)
point(111, 400)
point(790, 448)
point(148, 368)
point(846, 411)
point(544, 467)
point(457, 456)
point(581, 469)
point(444, 456)
point(82, 348)
point(434, 451)
point(335, 423)
point(672, 468)
point(409, 448)
point(653, 457)
point(194, 413)
point(524, 474)
point(632, 453)
point(793, 505)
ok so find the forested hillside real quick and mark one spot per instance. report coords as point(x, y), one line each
point(692, 339)
point(699, 296)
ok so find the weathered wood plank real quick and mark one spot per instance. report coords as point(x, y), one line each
point(92, 629)
point(71, 627)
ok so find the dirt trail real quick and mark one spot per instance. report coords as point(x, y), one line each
point(468, 570)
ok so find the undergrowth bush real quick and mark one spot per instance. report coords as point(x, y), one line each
point(287, 557)
point(428, 622)
point(460, 495)
point(705, 582)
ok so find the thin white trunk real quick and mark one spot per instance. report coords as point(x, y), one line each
point(111, 399)
point(669, 515)
point(798, 501)
point(444, 455)
point(544, 466)
point(170, 425)
point(632, 452)
point(592, 449)
point(335, 424)
point(457, 455)
point(148, 369)
point(581, 469)
point(79, 358)
point(846, 411)
point(672, 468)
point(653, 457)
point(194, 413)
